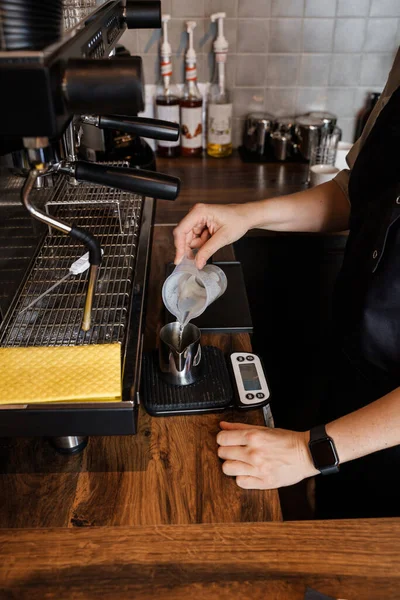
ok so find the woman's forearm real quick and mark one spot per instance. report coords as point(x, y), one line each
point(369, 429)
point(322, 208)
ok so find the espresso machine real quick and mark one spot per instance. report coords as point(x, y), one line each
point(55, 207)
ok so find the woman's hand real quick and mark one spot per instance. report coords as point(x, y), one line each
point(209, 227)
point(263, 458)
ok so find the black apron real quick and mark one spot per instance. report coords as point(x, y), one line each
point(364, 359)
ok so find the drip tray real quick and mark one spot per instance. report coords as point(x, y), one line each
point(211, 393)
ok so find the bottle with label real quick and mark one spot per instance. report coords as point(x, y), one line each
point(219, 113)
point(167, 95)
point(191, 103)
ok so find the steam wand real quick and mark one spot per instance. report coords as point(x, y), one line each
point(75, 232)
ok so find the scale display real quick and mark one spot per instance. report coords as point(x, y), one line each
point(252, 389)
point(250, 378)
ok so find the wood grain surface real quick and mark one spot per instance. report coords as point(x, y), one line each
point(355, 560)
point(169, 473)
point(225, 181)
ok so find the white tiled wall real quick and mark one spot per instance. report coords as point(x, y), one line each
point(286, 56)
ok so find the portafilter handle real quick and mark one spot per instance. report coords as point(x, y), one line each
point(149, 128)
point(135, 181)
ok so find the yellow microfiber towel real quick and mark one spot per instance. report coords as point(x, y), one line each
point(60, 374)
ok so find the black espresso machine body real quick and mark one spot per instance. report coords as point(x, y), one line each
point(50, 92)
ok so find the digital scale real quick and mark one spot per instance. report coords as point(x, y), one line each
point(238, 382)
point(251, 384)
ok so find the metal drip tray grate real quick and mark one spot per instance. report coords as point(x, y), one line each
point(10, 189)
point(114, 218)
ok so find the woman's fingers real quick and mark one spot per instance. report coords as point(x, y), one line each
point(248, 482)
point(237, 467)
point(194, 219)
point(234, 453)
point(227, 426)
point(200, 240)
point(216, 241)
point(236, 434)
point(198, 229)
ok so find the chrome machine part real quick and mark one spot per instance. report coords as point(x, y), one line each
point(71, 444)
point(74, 11)
point(35, 212)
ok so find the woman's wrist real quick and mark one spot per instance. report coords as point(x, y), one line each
point(255, 214)
point(306, 461)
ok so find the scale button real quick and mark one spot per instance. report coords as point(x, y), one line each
point(249, 357)
point(260, 395)
point(240, 358)
point(250, 396)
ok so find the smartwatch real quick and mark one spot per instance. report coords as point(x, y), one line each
point(323, 451)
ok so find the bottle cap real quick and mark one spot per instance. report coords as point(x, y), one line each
point(190, 52)
point(165, 46)
point(221, 43)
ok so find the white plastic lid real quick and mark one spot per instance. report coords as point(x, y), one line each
point(190, 52)
point(165, 46)
point(221, 43)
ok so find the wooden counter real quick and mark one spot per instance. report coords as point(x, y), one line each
point(356, 560)
point(171, 524)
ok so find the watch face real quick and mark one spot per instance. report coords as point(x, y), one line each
point(323, 454)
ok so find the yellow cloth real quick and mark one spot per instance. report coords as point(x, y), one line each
point(60, 374)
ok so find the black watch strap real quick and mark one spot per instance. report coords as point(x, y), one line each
point(318, 433)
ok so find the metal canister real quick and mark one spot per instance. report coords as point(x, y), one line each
point(285, 124)
point(282, 139)
point(257, 132)
point(328, 119)
point(308, 131)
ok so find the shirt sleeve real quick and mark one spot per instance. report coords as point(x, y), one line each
point(342, 178)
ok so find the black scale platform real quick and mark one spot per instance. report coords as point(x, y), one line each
point(212, 392)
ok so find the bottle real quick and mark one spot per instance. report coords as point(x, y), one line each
point(364, 114)
point(191, 103)
point(167, 95)
point(219, 114)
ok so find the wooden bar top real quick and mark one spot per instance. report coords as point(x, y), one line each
point(352, 560)
point(152, 515)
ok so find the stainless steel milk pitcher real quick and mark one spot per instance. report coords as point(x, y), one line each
point(180, 353)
